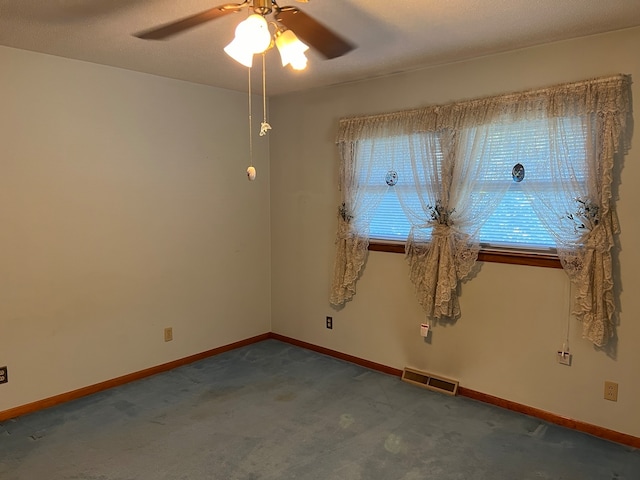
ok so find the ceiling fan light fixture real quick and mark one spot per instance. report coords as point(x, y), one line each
point(291, 50)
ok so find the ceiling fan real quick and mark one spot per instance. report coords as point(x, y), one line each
point(312, 32)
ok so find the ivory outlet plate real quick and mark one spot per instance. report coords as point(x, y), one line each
point(611, 391)
point(564, 358)
point(168, 334)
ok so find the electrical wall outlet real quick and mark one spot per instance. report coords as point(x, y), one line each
point(611, 391)
point(329, 322)
point(168, 334)
point(4, 375)
point(564, 358)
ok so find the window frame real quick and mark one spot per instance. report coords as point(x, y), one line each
point(490, 255)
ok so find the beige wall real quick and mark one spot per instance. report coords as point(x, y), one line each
point(514, 317)
point(124, 209)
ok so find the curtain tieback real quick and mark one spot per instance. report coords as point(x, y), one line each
point(597, 239)
point(437, 229)
point(442, 230)
point(343, 228)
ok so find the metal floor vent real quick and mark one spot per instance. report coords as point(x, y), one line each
point(432, 382)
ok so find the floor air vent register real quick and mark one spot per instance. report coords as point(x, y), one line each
point(432, 382)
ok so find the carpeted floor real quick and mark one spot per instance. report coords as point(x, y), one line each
point(274, 411)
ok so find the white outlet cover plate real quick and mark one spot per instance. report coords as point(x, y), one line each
point(564, 358)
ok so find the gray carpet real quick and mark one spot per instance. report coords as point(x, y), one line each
point(274, 411)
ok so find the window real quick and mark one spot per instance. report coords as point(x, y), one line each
point(514, 225)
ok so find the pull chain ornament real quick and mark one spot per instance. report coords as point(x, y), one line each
point(264, 128)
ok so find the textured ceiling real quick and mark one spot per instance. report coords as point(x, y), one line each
point(391, 36)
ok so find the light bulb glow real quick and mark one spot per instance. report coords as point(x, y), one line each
point(299, 63)
point(291, 50)
point(254, 33)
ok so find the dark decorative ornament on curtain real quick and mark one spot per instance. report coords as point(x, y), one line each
point(587, 215)
point(343, 213)
point(440, 214)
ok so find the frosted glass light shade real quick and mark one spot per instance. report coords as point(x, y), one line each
point(239, 52)
point(255, 32)
point(252, 36)
point(291, 50)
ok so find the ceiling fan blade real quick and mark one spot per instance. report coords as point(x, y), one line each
point(312, 32)
point(173, 28)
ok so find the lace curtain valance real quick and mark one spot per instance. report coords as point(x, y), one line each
point(603, 96)
point(449, 150)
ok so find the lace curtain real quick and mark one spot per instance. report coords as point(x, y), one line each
point(354, 212)
point(448, 168)
point(450, 150)
point(580, 214)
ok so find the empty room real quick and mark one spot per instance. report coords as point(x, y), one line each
point(334, 239)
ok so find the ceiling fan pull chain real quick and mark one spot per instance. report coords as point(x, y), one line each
point(250, 120)
point(264, 126)
point(251, 171)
